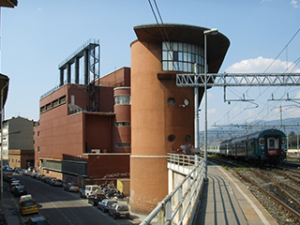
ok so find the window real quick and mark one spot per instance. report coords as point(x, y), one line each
point(38, 149)
point(62, 100)
point(171, 101)
point(187, 138)
point(123, 145)
point(122, 100)
point(171, 138)
point(182, 57)
point(55, 103)
point(122, 124)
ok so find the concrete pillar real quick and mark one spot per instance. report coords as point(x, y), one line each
point(86, 66)
point(61, 77)
point(77, 70)
point(69, 73)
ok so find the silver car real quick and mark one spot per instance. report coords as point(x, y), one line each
point(105, 204)
point(117, 210)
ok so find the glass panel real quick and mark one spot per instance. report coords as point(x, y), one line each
point(170, 65)
point(180, 66)
point(180, 57)
point(165, 55)
point(170, 55)
point(165, 66)
point(175, 48)
point(185, 57)
point(189, 48)
point(180, 47)
point(189, 57)
point(167, 46)
point(175, 56)
point(185, 67)
point(185, 47)
point(164, 46)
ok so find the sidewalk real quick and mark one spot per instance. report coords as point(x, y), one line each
point(9, 208)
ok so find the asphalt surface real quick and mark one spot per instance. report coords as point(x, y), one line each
point(58, 206)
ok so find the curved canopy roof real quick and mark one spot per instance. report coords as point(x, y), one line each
point(217, 45)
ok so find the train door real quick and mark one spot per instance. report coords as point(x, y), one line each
point(273, 145)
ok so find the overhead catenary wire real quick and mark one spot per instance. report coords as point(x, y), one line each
point(292, 67)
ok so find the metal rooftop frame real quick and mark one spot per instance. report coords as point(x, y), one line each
point(90, 44)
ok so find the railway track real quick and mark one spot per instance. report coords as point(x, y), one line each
point(277, 190)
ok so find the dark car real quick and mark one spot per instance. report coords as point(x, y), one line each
point(37, 221)
point(94, 198)
point(119, 210)
point(10, 177)
point(19, 190)
point(105, 204)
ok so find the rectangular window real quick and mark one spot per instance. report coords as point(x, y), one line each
point(165, 55)
point(62, 100)
point(170, 55)
point(55, 103)
point(123, 145)
point(175, 56)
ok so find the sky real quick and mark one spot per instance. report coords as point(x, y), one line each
point(37, 35)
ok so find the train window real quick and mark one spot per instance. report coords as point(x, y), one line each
point(262, 141)
point(271, 143)
point(283, 141)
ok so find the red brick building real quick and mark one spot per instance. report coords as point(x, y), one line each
point(125, 124)
point(72, 143)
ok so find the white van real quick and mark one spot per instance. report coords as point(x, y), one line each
point(84, 193)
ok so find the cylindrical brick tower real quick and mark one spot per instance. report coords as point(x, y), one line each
point(162, 114)
point(122, 131)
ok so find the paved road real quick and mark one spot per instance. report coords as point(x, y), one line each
point(61, 207)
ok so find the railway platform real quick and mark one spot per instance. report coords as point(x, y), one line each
point(226, 200)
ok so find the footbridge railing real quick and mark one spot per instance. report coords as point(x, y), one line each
point(180, 205)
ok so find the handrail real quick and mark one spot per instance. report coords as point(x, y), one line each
point(178, 206)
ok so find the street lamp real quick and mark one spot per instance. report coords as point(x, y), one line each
point(205, 33)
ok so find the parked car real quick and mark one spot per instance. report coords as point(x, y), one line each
point(37, 221)
point(117, 210)
point(20, 190)
point(18, 170)
point(33, 175)
point(88, 189)
point(27, 173)
point(71, 187)
point(27, 205)
point(13, 186)
point(48, 180)
point(56, 182)
point(39, 176)
point(10, 177)
point(94, 198)
point(105, 204)
point(43, 179)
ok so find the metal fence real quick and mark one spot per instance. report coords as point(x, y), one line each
point(178, 206)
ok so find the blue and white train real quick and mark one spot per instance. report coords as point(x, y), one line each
point(262, 147)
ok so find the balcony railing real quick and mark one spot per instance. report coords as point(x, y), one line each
point(178, 206)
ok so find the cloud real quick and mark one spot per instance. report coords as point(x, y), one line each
point(294, 3)
point(212, 111)
point(262, 65)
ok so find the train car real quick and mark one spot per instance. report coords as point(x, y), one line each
point(262, 147)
